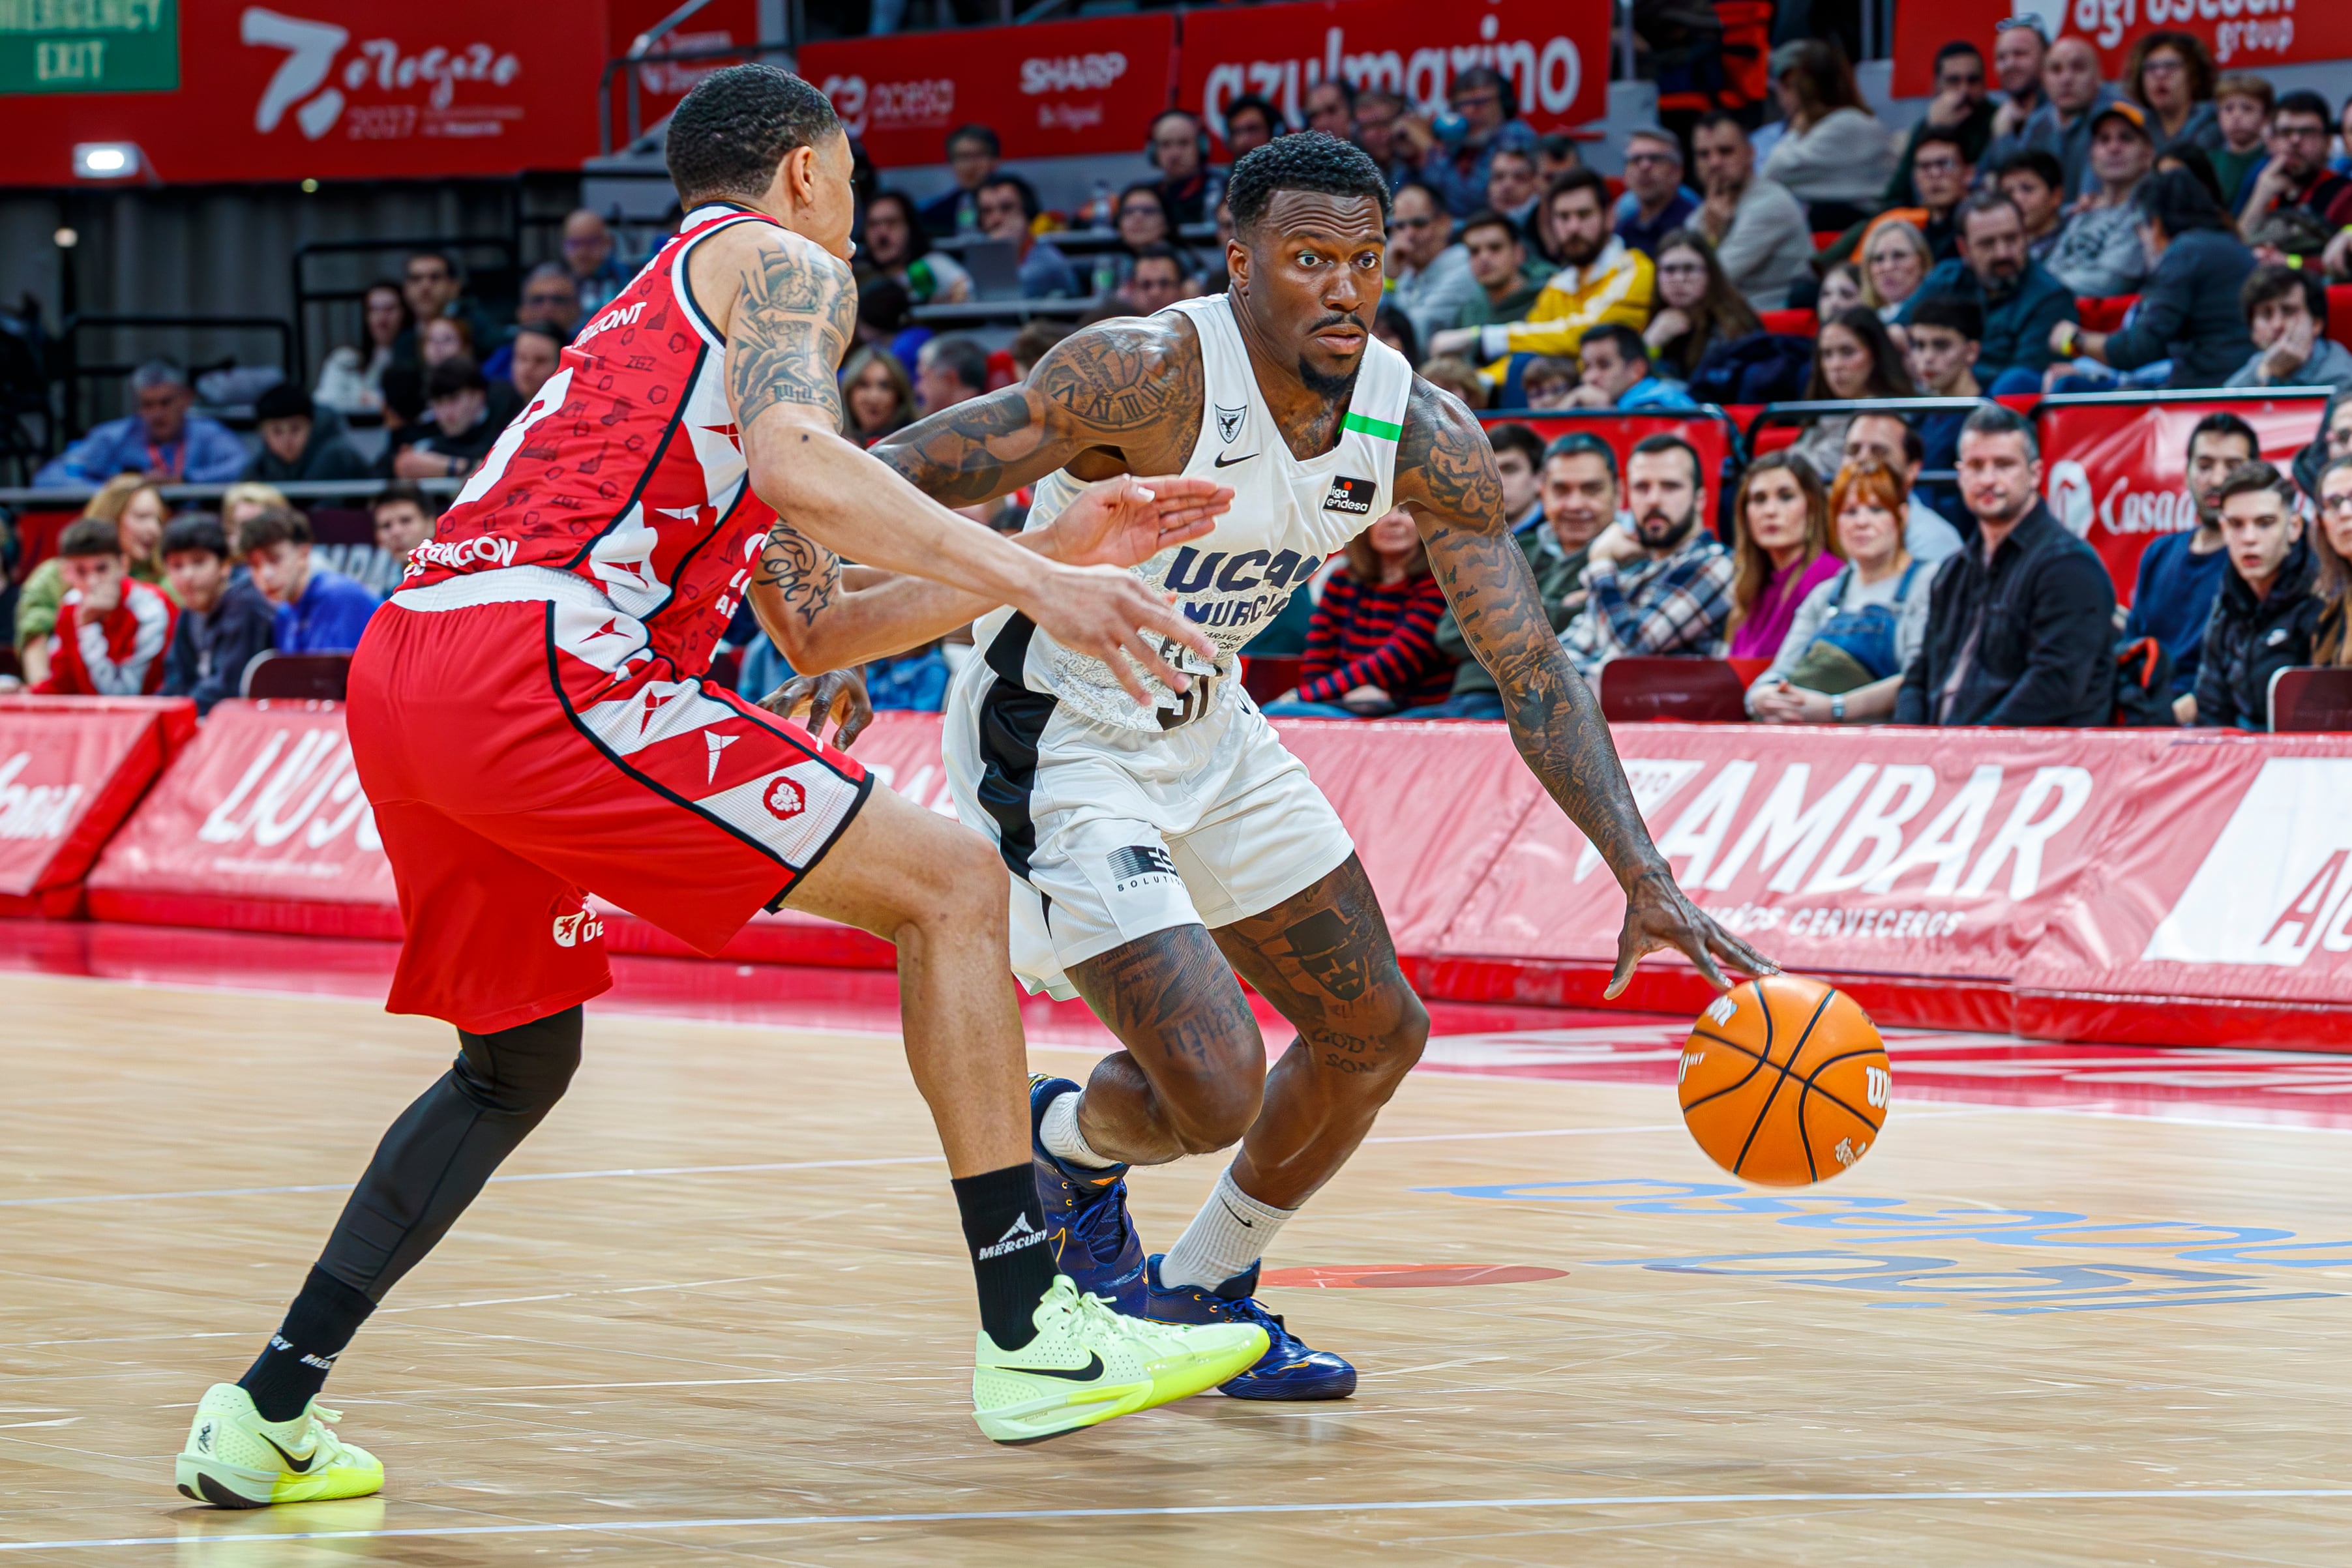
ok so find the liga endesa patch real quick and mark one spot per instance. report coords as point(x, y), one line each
point(1350, 496)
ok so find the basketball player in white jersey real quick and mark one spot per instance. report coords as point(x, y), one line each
point(1158, 849)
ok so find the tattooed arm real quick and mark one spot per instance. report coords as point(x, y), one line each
point(1446, 478)
point(787, 311)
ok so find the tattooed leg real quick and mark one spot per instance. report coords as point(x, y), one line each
point(1323, 958)
point(1189, 1081)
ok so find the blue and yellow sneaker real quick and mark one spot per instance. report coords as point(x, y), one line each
point(1288, 1369)
point(1086, 1211)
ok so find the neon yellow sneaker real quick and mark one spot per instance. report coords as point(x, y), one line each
point(236, 1459)
point(1089, 1364)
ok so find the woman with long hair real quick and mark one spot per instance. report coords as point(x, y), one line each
point(138, 511)
point(1834, 156)
point(2170, 74)
point(1844, 659)
point(1854, 361)
point(1841, 291)
point(1895, 261)
point(351, 379)
point(877, 398)
point(1372, 644)
point(1699, 308)
point(1781, 549)
point(2331, 541)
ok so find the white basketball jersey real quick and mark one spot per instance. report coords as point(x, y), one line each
point(1287, 517)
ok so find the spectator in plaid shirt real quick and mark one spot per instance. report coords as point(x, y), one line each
point(1664, 588)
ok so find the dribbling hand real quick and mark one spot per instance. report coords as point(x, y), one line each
point(1106, 613)
point(1660, 916)
point(1127, 520)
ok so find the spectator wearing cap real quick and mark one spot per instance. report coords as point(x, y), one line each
point(224, 619)
point(462, 432)
point(299, 443)
point(2074, 92)
point(162, 440)
point(2267, 615)
point(1008, 212)
point(1618, 374)
point(2285, 310)
point(1487, 109)
point(112, 630)
point(2021, 303)
point(1429, 275)
point(549, 303)
point(1834, 156)
point(1507, 284)
point(2189, 312)
point(2298, 174)
point(2180, 573)
point(596, 271)
point(1577, 498)
point(1664, 584)
point(1601, 279)
point(316, 609)
point(2020, 627)
point(973, 153)
point(2098, 254)
point(1961, 107)
point(1656, 204)
point(2242, 102)
point(2036, 186)
point(1759, 231)
point(1189, 187)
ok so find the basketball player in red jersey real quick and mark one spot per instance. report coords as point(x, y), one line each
point(528, 720)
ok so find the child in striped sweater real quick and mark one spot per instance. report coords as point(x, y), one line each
point(1371, 647)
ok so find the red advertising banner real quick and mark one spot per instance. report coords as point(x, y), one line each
point(340, 89)
point(70, 770)
point(721, 24)
point(2122, 481)
point(2243, 35)
point(259, 825)
point(1047, 89)
point(1555, 56)
point(1711, 437)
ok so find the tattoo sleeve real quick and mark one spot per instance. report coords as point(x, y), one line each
point(1446, 476)
point(795, 574)
point(797, 313)
point(1126, 386)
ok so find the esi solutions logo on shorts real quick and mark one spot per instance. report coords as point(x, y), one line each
point(1140, 865)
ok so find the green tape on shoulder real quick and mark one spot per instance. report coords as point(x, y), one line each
point(1371, 426)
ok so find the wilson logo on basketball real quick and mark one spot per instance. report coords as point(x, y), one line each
point(785, 799)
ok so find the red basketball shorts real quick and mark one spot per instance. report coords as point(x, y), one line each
point(515, 770)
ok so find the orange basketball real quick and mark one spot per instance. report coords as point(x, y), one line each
point(1784, 1081)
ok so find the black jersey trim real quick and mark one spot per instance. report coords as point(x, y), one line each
point(1011, 719)
point(717, 527)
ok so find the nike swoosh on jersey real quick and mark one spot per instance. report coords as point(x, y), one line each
point(300, 1467)
point(1087, 1373)
point(1225, 461)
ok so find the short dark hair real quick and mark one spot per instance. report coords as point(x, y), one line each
point(1518, 438)
point(726, 136)
point(2179, 204)
point(980, 133)
point(1488, 218)
point(1630, 345)
point(1273, 121)
point(1310, 161)
point(2253, 478)
point(287, 400)
point(1994, 419)
point(2230, 427)
point(1914, 445)
point(454, 374)
point(1981, 201)
point(406, 491)
point(89, 537)
point(1559, 144)
point(272, 526)
point(541, 329)
point(1947, 136)
point(966, 359)
point(2038, 162)
point(1027, 192)
point(1584, 443)
point(2273, 281)
point(1958, 46)
point(1951, 312)
point(1717, 117)
point(1577, 179)
point(435, 253)
point(2303, 101)
point(1666, 440)
point(197, 533)
point(1160, 252)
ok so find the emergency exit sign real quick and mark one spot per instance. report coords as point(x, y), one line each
point(89, 46)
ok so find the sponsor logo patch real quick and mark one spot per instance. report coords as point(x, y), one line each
point(785, 799)
point(1229, 422)
point(1350, 496)
point(572, 930)
point(1133, 864)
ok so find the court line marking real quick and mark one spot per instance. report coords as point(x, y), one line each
point(1433, 1505)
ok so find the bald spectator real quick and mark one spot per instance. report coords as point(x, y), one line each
point(2074, 94)
point(596, 272)
point(1655, 203)
point(1189, 188)
point(1760, 230)
point(163, 439)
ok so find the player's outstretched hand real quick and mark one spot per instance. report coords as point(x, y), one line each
point(1126, 521)
point(1658, 916)
point(836, 694)
point(1104, 612)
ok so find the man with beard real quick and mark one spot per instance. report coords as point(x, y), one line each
point(1665, 586)
point(1158, 851)
point(1601, 278)
point(2018, 52)
point(2020, 627)
point(2180, 573)
point(2022, 301)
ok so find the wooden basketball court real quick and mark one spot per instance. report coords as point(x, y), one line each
point(2080, 1305)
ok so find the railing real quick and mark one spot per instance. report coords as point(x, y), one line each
point(509, 249)
point(627, 67)
point(73, 498)
point(73, 373)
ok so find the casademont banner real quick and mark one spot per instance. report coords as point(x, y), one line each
point(69, 770)
point(2122, 481)
point(1555, 56)
point(1049, 90)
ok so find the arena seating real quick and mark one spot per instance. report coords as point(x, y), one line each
point(320, 676)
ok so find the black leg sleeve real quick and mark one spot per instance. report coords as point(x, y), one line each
point(435, 1158)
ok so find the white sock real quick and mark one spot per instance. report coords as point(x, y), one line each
point(1059, 1133)
point(1232, 1231)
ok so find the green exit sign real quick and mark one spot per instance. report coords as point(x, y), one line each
point(89, 46)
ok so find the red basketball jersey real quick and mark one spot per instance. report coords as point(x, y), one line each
point(625, 469)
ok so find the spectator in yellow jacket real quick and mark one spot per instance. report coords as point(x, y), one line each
point(1600, 281)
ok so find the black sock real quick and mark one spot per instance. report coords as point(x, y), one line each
point(1005, 1224)
point(293, 1367)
